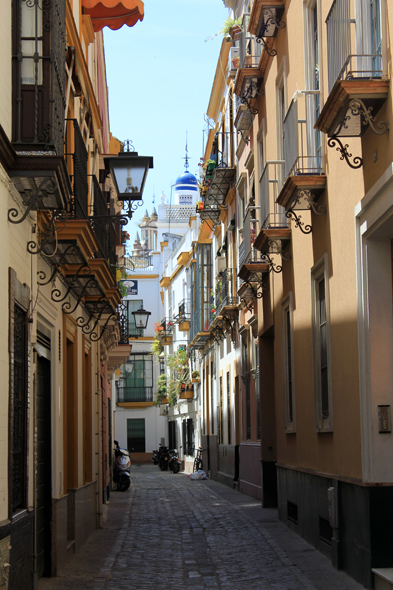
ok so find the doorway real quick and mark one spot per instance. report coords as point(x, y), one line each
point(44, 483)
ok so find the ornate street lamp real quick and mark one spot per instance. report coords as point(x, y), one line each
point(129, 367)
point(141, 317)
point(129, 173)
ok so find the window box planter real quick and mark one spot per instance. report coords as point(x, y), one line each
point(195, 380)
point(184, 326)
point(235, 32)
point(186, 394)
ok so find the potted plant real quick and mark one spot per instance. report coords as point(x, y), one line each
point(179, 374)
point(235, 62)
point(195, 377)
point(200, 205)
point(231, 26)
point(162, 393)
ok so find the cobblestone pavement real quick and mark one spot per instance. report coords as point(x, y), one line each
point(170, 533)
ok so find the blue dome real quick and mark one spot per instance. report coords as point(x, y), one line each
point(187, 179)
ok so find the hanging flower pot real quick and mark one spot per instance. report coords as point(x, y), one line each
point(235, 32)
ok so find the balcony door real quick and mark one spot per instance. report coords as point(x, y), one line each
point(369, 38)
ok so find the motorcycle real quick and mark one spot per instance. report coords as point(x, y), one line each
point(122, 468)
point(156, 456)
point(174, 461)
point(163, 458)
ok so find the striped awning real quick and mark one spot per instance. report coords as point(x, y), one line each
point(113, 13)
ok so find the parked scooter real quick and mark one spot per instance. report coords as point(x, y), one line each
point(156, 456)
point(121, 472)
point(174, 461)
point(163, 458)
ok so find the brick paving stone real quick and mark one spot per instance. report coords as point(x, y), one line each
point(170, 533)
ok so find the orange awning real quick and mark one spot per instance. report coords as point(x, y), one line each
point(113, 13)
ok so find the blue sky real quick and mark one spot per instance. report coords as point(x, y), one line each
point(160, 74)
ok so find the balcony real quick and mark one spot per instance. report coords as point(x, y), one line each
point(38, 74)
point(304, 178)
point(223, 303)
point(183, 317)
point(252, 265)
point(102, 224)
point(358, 86)
point(222, 174)
point(200, 319)
point(134, 394)
point(164, 331)
point(265, 21)
point(250, 74)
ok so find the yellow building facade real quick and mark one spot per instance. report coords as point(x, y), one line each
point(61, 309)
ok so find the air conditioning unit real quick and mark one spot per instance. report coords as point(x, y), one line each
point(234, 59)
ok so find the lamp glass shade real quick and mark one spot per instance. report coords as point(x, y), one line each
point(129, 367)
point(129, 173)
point(141, 317)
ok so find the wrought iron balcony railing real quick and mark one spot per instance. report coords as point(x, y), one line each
point(184, 311)
point(302, 143)
point(346, 58)
point(247, 252)
point(77, 156)
point(250, 50)
point(228, 288)
point(38, 56)
point(272, 179)
point(134, 394)
point(102, 224)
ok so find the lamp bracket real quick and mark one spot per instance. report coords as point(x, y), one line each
point(101, 220)
point(132, 206)
point(345, 155)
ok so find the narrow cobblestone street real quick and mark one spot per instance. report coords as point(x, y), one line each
point(170, 533)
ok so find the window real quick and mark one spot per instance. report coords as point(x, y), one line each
point(212, 394)
point(172, 434)
point(188, 436)
point(321, 346)
point(137, 385)
point(312, 70)
point(221, 433)
point(203, 276)
point(136, 435)
point(246, 378)
point(258, 392)
point(281, 112)
point(376, 37)
point(19, 393)
point(261, 148)
point(229, 407)
point(133, 305)
point(288, 363)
